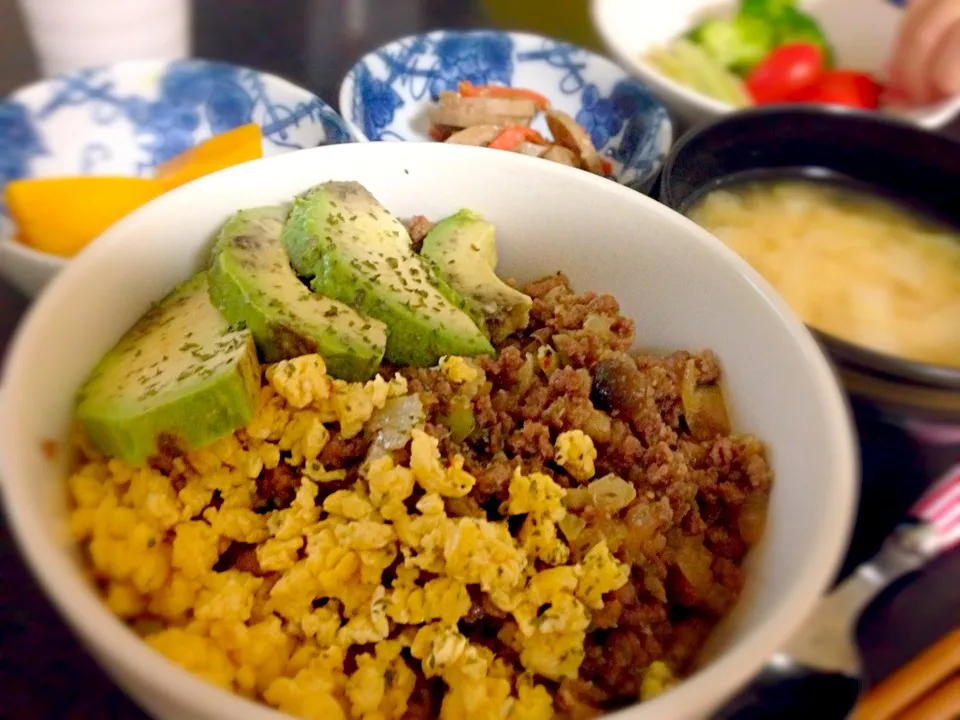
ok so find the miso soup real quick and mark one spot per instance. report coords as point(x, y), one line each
point(852, 264)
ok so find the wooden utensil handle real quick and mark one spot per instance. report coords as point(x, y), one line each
point(911, 681)
point(942, 703)
point(939, 510)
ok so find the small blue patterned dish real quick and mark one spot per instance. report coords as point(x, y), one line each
point(125, 119)
point(386, 95)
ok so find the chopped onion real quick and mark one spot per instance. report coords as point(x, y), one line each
point(526, 373)
point(571, 526)
point(598, 324)
point(643, 523)
point(753, 518)
point(694, 561)
point(392, 425)
point(655, 587)
point(577, 498)
point(611, 493)
point(598, 426)
point(703, 406)
point(554, 294)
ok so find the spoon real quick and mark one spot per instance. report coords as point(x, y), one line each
point(929, 117)
point(819, 673)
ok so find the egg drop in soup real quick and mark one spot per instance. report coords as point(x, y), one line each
point(857, 266)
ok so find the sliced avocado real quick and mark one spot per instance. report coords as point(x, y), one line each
point(178, 379)
point(463, 248)
point(357, 252)
point(253, 285)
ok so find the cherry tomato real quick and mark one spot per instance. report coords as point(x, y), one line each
point(844, 87)
point(786, 71)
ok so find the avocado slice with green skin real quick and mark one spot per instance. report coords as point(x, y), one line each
point(357, 252)
point(253, 285)
point(463, 248)
point(179, 379)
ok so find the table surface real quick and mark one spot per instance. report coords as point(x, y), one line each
point(43, 671)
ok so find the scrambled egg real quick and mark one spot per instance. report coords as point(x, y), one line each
point(281, 634)
point(539, 498)
point(657, 679)
point(458, 369)
point(576, 454)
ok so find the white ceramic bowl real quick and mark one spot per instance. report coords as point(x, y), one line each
point(862, 33)
point(684, 288)
point(387, 93)
point(126, 118)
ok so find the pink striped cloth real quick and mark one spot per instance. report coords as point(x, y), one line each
point(940, 507)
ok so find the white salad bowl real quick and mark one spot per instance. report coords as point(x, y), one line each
point(683, 287)
point(127, 118)
point(862, 33)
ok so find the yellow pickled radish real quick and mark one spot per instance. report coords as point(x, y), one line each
point(61, 215)
point(233, 147)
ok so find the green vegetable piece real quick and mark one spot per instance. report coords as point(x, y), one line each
point(253, 285)
point(460, 419)
point(793, 25)
point(766, 9)
point(738, 44)
point(463, 249)
point(689, 65)
point(179, 378)
point(358, 253)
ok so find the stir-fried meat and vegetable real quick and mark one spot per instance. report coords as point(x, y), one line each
point(499, 118)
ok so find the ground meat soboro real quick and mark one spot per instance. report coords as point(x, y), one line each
point(554, 534)
point(691, 506)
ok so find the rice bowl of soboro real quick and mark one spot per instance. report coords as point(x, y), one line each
point(356, 432)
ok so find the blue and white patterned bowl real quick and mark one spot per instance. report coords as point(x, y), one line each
point(386, 95)
point(125, 119)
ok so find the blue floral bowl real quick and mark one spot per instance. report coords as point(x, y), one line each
point(386, 95)
point(125, 119)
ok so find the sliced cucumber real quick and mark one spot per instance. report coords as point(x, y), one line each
point(690, 65)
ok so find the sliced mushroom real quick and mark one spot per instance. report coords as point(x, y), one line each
point(560, 154)
point(461, 112)
point(530, 148)
point(568, 133)
point(476, 135)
